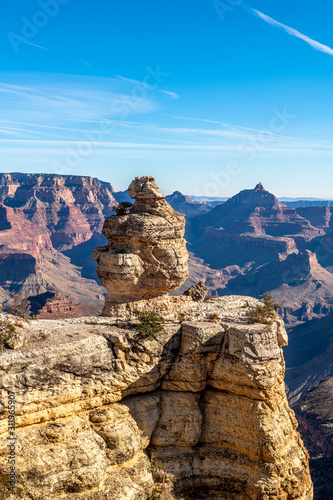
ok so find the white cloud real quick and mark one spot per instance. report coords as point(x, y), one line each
point(52, 98)
point(291, 31)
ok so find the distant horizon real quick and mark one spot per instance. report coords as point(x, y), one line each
point(282, 198)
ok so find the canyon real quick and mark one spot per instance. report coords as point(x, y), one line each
point(315, 415)
point(251, 244)
point(195, 408)
point(49, 226)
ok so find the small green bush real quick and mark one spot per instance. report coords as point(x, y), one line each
point(159, 476)
point(7, 329)
point(150, 324)
point(263, 313)
point(123, 207)
point(157, 469)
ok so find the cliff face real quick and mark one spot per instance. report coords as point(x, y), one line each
point(49, 223)
point(259, 245)
point(205, 398)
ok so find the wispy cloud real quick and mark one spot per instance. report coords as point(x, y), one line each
point(171, 94)
point(138, 82)
point(214, 148)
point(35, 45)
point(291, 31)
point(45, 98)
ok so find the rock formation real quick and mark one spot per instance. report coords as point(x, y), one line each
point(309, 356)
point(197, 292)
point(185, 206)
point(49, 224)
point(99, 408)
point(50, 305)
point(254, 244)
point(205, 398)
point(146, 256)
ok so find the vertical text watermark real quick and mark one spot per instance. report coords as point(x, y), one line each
point(11, 441)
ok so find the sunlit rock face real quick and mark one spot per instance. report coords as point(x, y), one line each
point(146, 255)
point(95, 403)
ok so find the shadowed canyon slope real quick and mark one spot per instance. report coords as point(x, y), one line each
point(255, 244)
point(315, 416)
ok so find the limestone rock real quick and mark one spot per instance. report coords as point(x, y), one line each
point(207, 399)
point(146, 256)
point(198, 292)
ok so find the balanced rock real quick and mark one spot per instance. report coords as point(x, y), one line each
point(146, 256)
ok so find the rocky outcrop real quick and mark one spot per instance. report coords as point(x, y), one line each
point(205, 398)
point(260, 245)
point(50, 305)
point(320, 217)
point(146, 256)
point(197, 292)
point(315, 416)
point(252, 218)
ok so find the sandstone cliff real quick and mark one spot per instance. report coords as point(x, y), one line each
point(96, 405)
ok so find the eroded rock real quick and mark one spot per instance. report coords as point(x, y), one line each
point(146, 256)
point(197, 292)
point(206, 399)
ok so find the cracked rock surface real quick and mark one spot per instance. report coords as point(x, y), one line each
point(94, 402)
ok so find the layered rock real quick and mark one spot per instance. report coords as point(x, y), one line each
point(146, 256)
point(49, 224)
point(51, 305)
point(318, 216)
point(254, 244)
point(255, 220)
point(207, 399)
point(197, 292)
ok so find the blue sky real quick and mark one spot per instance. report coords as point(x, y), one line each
point(210, 97)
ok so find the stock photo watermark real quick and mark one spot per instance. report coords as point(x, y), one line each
point(224, 8)
point(249, 150)
point(121, 109)
point(31, 27)
point(11, 425)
